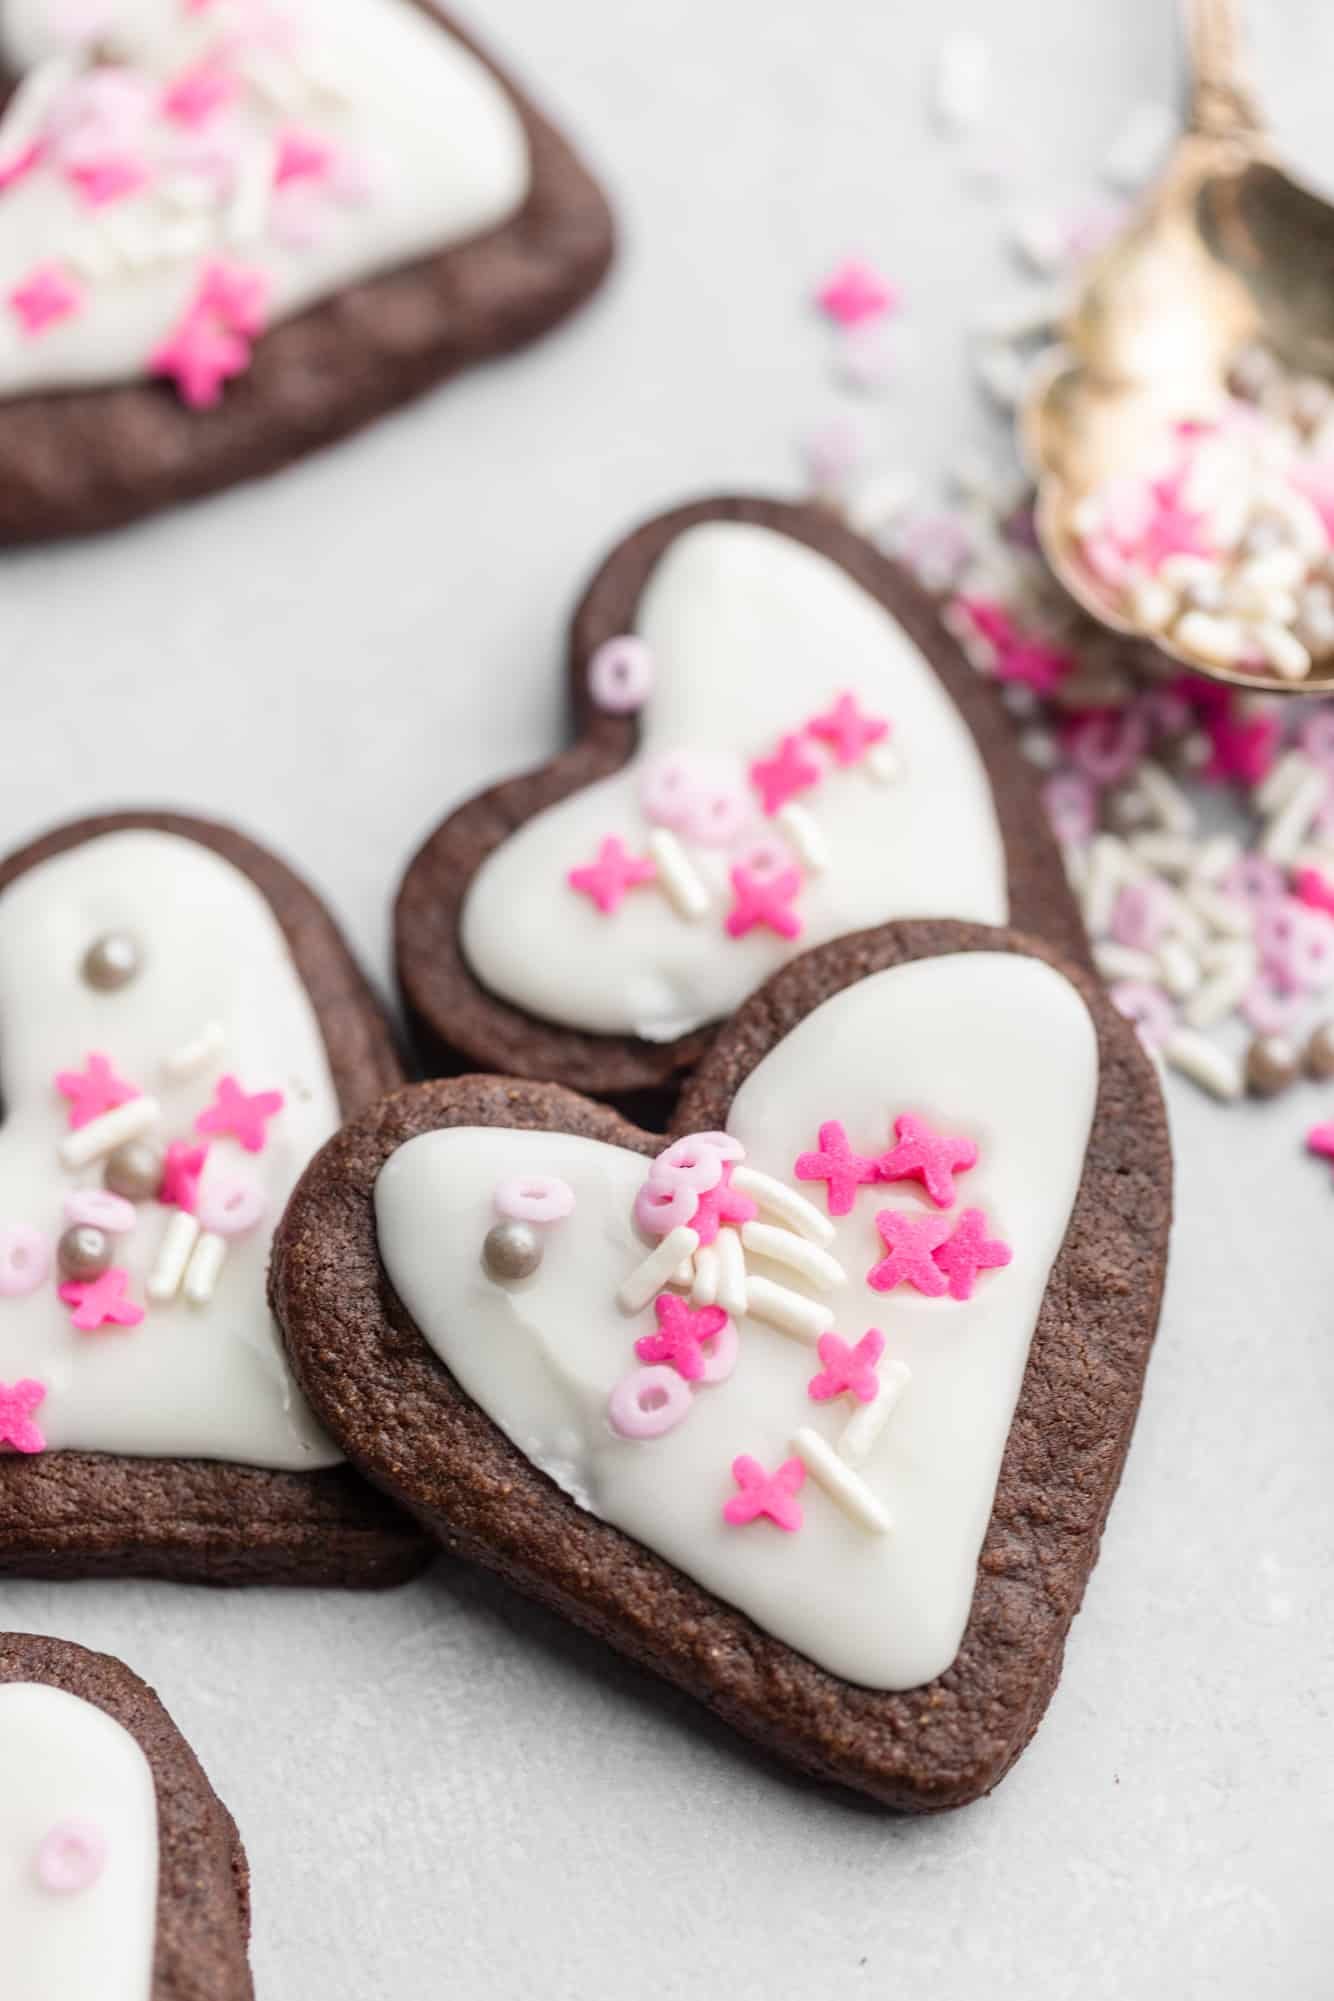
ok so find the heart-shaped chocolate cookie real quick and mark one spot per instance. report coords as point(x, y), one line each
point(817, 1409)
point(780, 745)
point(181, 1027)
point(121, 1872)
point(234, 231)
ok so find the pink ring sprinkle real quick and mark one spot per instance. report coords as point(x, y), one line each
point(25, 1260)
point(689, 1162)
point(722, 1143)
point(230, 1206)
point(661, 1206)
point(620, 675)
point(534, 1198)
point(1147, 1008)
point(72, 1856)
point(648, 1402)
point(101, 1210)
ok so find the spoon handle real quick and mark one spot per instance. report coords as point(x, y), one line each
point(1221, 102)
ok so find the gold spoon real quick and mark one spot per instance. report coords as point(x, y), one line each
point(1228, 250)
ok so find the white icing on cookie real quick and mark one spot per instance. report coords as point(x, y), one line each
point(993, 1045)
point(427, 149)
point(189, 1381)
point(752, 634)
point(69, 1768)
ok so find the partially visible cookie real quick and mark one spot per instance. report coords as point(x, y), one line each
point(122, 1876)
point(181, 1027)
point(779, 744)
point(231, 233)
point(817, 1410)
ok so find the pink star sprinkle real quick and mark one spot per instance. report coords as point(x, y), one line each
point(197, 94)
point(911, 1242)
point(719, 1205)
point(211, 343)
point(931, 1158)
point(612, 875)
point(103, 181)
point(46, 296)
point(245, 1115)
point(847, 731)
point(970, 1251)
point(1314, 889)
point(779, 778)
point(680, 1333)
point(1320, 1140)
point(101, 1302)
point(838, 1165)
point(764, 900)
point(181, 1173)
point(856, 292)
point(771, 1494)
point(18, 1401)
point(301, 157)
point(848, 1371)
point(93, 1090)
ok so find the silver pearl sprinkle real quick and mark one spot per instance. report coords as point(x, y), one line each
point(134, 1171)
point(111, 961)
point(512, 1250)
point(84, 1252)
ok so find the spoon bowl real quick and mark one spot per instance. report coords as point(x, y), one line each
point(1228, 253)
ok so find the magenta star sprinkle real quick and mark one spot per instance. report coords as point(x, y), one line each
point(848, 1371)
point(18, 1427)
point(721, 1204)
point(856, 292)
point(1314, 889)
point(839, 1166)
point(847, 731)
point(610, 878)
point(101, 1302)
point(93, 1090)
point(681, 1330)
point(46, 296)
point(211, 343)
point(771, 1494)
point(243, 1114)
point(970, 1251)
point(764, 900)
point(1320, 1140)
point(779, 778)
point(929, 1157)
point(911, 1242)
point(181, 1172)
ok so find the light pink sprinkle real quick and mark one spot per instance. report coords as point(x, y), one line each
point(45, 297)
point(857, 292)
point(1148, 1008)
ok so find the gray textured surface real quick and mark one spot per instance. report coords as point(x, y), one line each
point(443, 1793)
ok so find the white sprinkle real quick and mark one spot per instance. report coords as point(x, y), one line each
point(1111, 865)
point(201, 1273)
point(1122, 962)
point(190, 1060)
point(1217, 996)
point(845, 1488)
point(799, 1254)
point(733, 1282)
point(777, 1199)
point(658, 1268)
point(1172, 853)
point(1167, 802)
point(248, 212)
point(1221, 913)
point(1220, 641)
point(1289, 827)
point(1153, 603)
point(860, 1434)
point(883, 763)
point(1181, 572)
point(1279, 784)
point(806, 835)
point(876, 503)
point(1215, 857)
point(704, 1292)
point(791, 1313)
point(680, 880)
point(960, 92)
point(1140, 147)
point(32, 99)
point(1204, 1063)
point(110, 1130)
point(178, 1241)
point(684, 1275)
point(1177, 969)
point(1282, 649)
